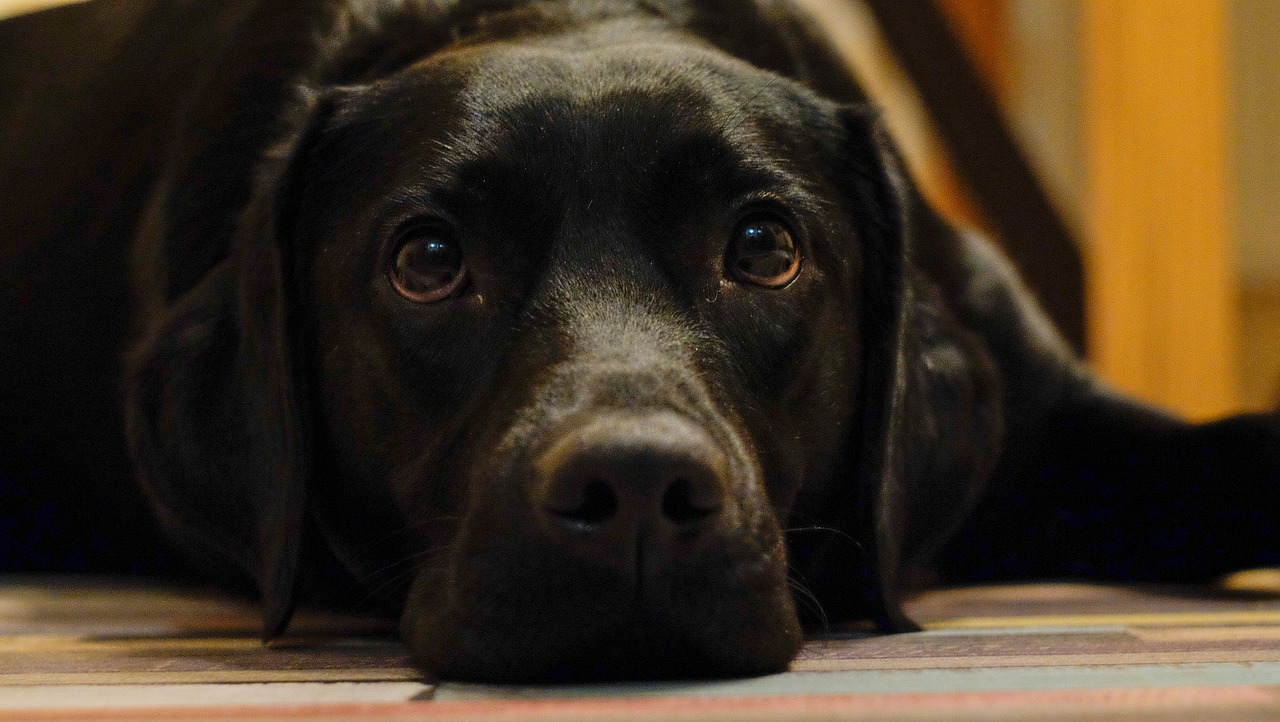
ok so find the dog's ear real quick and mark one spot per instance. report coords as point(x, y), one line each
point(859, 580)
point(214, 407)
point(214, 410)
point(873, 507)
point(926, 424)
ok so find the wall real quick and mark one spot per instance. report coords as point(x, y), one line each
point(1047, 109)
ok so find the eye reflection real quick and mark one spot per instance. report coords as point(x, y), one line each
point(427, 265)
point(764, 252)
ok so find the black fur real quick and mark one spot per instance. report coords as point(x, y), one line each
point(200, 204)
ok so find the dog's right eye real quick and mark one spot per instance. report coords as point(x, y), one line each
point(427, 265)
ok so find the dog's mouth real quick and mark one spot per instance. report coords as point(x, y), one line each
point(537, 611)
point(641, 650)
point(725, 636)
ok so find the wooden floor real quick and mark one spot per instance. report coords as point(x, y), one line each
point(111, 650)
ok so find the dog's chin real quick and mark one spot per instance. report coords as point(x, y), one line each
point(640, 651)
point(579, 635)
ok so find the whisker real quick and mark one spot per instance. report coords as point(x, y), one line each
point(410, 558)
point(409, 528)
point(830, 530)
point(809, 599)
point(399, 571)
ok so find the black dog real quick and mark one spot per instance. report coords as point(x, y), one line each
point(608, 327)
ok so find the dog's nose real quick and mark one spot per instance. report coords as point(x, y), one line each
point(622, 485)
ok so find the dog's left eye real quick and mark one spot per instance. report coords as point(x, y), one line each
point(764, 252)
point(427, 265)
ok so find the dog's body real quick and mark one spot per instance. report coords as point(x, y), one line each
point(582, 330)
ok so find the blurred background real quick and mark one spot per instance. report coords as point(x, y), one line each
point(1152, 126)
point(1148, 127)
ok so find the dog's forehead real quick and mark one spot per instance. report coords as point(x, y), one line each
point(546, 126)
point(501, 100)
point(685, 78)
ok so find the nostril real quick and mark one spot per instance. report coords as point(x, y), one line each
point(598, 504)
point(679, 505)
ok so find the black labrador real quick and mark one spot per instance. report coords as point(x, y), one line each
point(604, 338)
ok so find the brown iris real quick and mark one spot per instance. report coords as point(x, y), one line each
point(427, 265)
point(764, 252)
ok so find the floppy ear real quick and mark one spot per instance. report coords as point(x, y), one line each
point(214, 410)
point(860, 580)
point(927, 418)
point(875, 503)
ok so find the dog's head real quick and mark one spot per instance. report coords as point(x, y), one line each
point(595, 345)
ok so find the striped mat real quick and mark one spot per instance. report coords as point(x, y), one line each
point(102, 649)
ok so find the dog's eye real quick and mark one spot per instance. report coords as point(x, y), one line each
point(427, 265)
point(764, 252)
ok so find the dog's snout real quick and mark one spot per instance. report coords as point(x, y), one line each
point(603, 486)
point(626, 480)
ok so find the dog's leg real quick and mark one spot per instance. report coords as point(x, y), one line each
point(1106, 488)
point(1091, 483)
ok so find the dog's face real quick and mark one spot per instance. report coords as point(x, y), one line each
point(582, 329)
